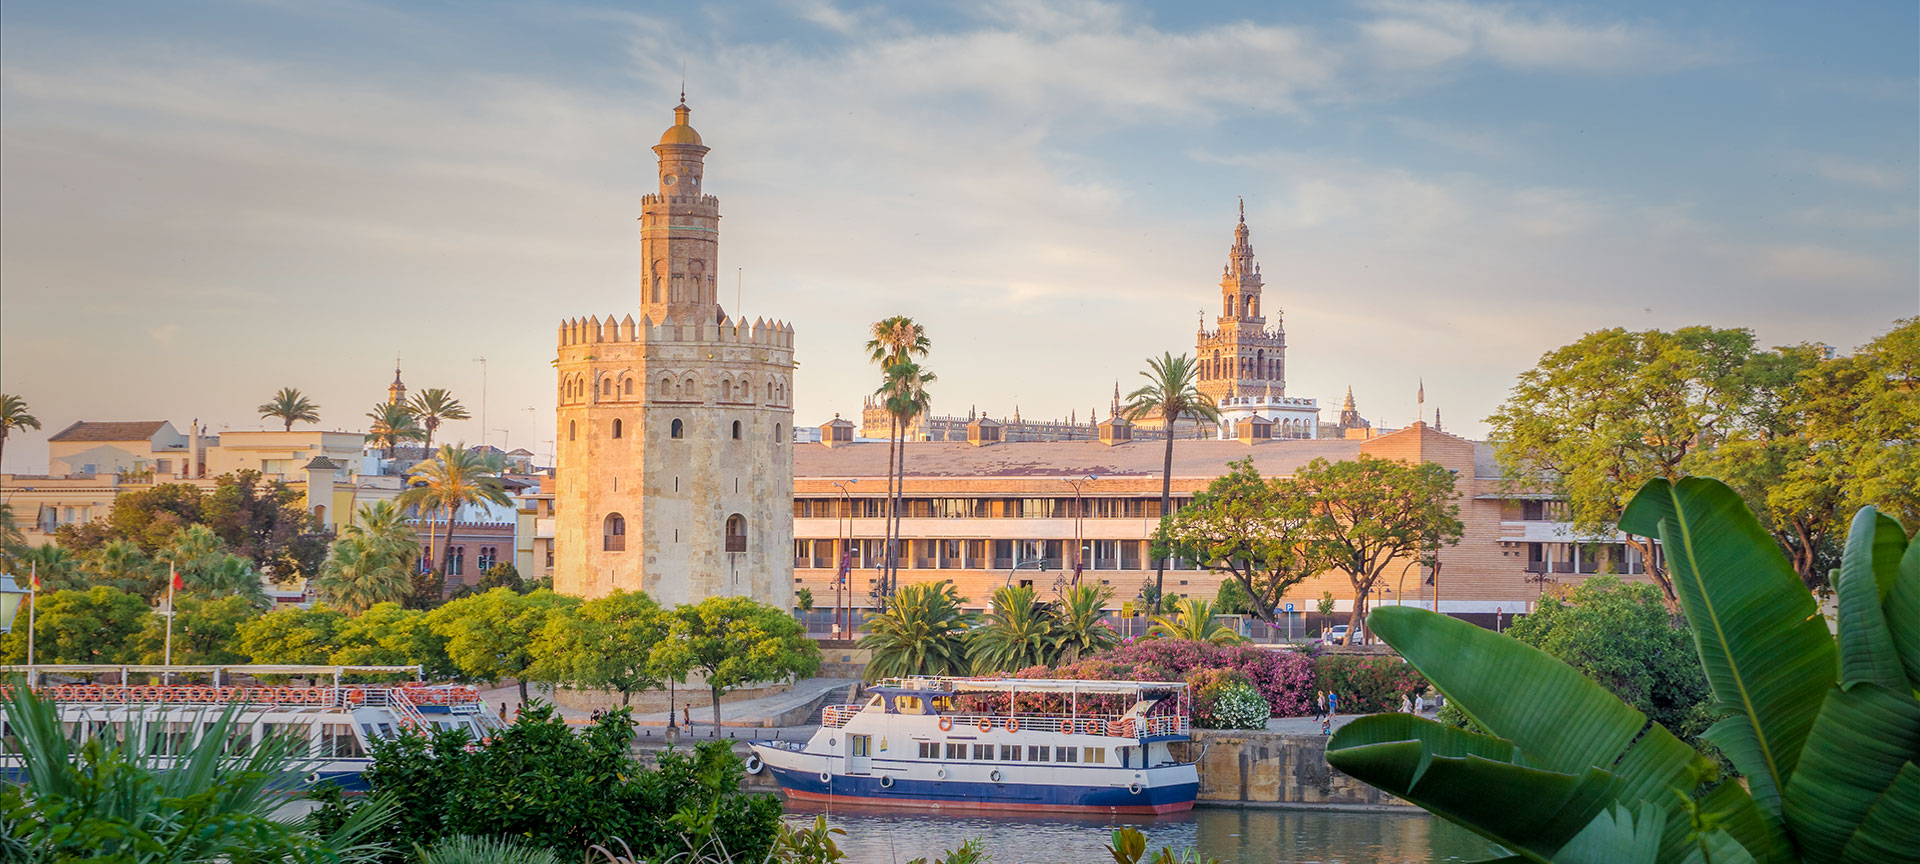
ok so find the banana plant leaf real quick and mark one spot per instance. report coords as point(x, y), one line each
point(1618, 836)
point(1718, 847)
point(1867, 653)
point(1891, 831)
point(1902, 611)
point(1765, 649)
point(1865, 737)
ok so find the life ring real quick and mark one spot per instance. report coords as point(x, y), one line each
point(940, 773)
point(1134, 788)
point(1123, 729)
point(826, 778)
point(986, 724)
point(753, 763)
point(1013, 725)
point(995, 775)
point(886, 781)
point(946, 724)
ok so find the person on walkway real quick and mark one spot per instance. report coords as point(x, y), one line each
point(1420, 702)
point(1406, 705)
point(1319, 704)
point(686, 716)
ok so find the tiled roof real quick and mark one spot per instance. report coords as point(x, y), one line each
point(1191, 458)
point(84, 430)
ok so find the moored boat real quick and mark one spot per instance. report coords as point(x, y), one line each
point(996, 744)
point(177, 705)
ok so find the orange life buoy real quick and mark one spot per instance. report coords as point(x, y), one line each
point(986, 724)
point(1013, 725)
point(1124, 728)
point(946, 724)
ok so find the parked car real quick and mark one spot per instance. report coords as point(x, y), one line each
point(1334, 634)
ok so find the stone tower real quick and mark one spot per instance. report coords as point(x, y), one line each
point(396, 392)
point(1241, 356)
point(674, 455)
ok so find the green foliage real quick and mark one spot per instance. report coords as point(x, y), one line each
point(971, 852)
point(454, 478)
point(606, 643)
point(205, 631)
point(922, 632)
point(290, 405)
point(1081, 623)
point(502, 575)
point(803, 600)
point(1241, 707)
point(14, 414)
point(266, 522)
point(1326, 603)
point(1129, 846)
point(1193, 619)
point(1232, 599)
point(485, 850)
point(97, 625)
point(149, 518)
point(361, 573)
point(1366, 683)
point(1371, 512)
point(810, 845)
point(432, 407)
point(291, 636)
point(550, 788)
point(391, 425)
point(490, 636)
point(1169, 395)
point(389, 635)
point(1255, 530)
point(733, 641)
point(1827, 736)
point(1019, 631)
point(1206, 686)
point(207, 568)
point(59, 570)
point(120, 564)
point(117, 798)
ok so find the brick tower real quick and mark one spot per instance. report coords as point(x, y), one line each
point(1241, 356)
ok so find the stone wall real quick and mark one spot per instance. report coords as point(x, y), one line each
point(1257, 768)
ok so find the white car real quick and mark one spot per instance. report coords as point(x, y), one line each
point(1336, 633)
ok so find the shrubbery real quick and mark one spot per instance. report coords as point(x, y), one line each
point(1366, 684)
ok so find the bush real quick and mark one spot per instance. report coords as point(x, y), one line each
point(485, 850)
point(1285, 678)
point(1240, 707)
point(1366, 685)
point(1205, 686)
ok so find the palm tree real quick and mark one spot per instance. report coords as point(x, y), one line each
point(1083, 627)
point(895, 339)
point(923, 632)
point(1019, 632)
point(290, 405)
point(434, 406)
point(205, 565)
point(454, 478)
point(385, 525)
point(58, 568)
point(122, 565)
point(359, 573)
point(905, 397)
point(1195, 620)
point(1169, 394)
point(392, 424)
point(13, 415)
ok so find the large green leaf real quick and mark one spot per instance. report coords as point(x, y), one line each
point(1865, 735)
point(1866, 646)
point(1618, 836)
point(1891, 831)
point(1531, 811)
point(1765, 649)
point(1902, 611)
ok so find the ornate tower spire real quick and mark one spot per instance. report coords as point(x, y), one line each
point(680, 231)
point(397, 392)
point(1243, 354)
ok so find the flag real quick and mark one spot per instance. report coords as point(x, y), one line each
point(178, 584)
point(36, 576)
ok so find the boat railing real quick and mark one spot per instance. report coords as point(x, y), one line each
point(1116, 725)
point(403, 699)
point(837, 716)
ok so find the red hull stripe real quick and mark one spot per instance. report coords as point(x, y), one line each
point(1023, 807)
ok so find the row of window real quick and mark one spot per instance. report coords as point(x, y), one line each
point(676, 430)
point(672, 387)
point(985, 508)
point(613, 533)
point(177, 737)
point(457, 559)
point(957, 751)
point(822, 554)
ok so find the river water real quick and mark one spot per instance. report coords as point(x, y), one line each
point(1231, 835)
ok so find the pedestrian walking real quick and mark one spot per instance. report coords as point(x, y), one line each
point(1406, 705)
point(1420, 703)
point(686, 715)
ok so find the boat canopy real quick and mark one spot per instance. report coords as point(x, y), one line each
point(240, 668)
point(1028, 685)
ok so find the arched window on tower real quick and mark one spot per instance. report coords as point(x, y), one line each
point(1260, 364)
point(616, 428)
point(628, 386)
point(1229, 306)
point(736, 430)
point(606, 386)
point(776, 433)
point(613, 533)
point(679, 430)
point(1246, 305)
point(736, 533)
point(570, 429)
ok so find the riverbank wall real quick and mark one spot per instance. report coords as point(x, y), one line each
point(1241, 768)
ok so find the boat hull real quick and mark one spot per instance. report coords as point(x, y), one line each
point(968, 795)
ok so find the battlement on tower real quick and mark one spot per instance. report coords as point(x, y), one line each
point(760, 332)
point(702, 200)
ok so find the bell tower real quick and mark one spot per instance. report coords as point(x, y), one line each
point(1241, 357)
point(680, 231)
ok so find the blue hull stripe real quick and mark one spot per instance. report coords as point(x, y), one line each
point(1011, 795)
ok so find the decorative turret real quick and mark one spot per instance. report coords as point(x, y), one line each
point(397, 392)
point(680, 231)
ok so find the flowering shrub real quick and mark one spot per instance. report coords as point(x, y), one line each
point(1205, 687)
point(1240, 707)
point(1367, 684)
point(1283, 677)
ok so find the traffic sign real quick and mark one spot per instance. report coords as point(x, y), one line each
point(1289, 607)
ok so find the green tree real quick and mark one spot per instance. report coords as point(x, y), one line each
point(97, 625)
point(922, 632)
point(388, 634)
point(1083, 628)
point(896, 340)
point(502, 575)
point(1232, 599)
point(733, 641)
point(294, 637)
point(14, 415)
point(432, 407)
point(267, 522)
point(1170, 394)
point(803, 600)
point(1370, 512)
point(150, 517)
point(13, 543)
point(206, 630)
point(358, 575)
point(206, 567)
point(1825, 735)
point(392, 425)
point(121, 565)
point(1860, 413)
point(1018, 631)
point(58, 569)
point(490, 637)
point(1257, 531)
point(290, 405)
point(606, 644)
point(1193, 620)
point(905, 397)
point(452, 479)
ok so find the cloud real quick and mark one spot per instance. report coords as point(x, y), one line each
point(1855, 172)
point(1482, 144)
point(164, 333)
point(1819, 266)
point(1416, 34)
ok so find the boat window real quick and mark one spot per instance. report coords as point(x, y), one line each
point(907, 704)
point(983, 751)
point(1009, 752)
point(299, 744)
point(337, 741)
point(929, 750)
point(1096, 756)
point(956, 751)
point(9, 742)
point(367, 728)
point(386, 731)
point(1039, 754)
point(173, 738)
point(859, 745)
point(1068, 754)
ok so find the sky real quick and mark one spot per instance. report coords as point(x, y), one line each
point(202, 202)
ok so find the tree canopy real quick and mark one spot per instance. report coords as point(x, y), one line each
point(1258, 531)
point(490, 637)
point(732, 641)
point(1370, 512)
point(607, 643)
point(97, 625)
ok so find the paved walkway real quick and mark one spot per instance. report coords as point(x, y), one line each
point(745, 713)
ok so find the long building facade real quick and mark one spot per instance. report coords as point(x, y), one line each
point(1013, 513)
point(674, 457)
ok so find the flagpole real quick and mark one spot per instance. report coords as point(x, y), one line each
point(33, 614)
point(173, 578)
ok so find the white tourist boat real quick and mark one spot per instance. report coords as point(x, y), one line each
point(1028, 745)
point(338, 719)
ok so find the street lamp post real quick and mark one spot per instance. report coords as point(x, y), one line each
point(11, 596)
point(1079, 510)
point(845, 564)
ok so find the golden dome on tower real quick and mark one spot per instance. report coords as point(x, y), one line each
point(680, 132)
